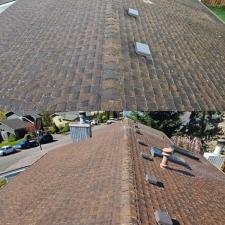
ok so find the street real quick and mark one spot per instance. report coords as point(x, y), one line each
point(59, 140)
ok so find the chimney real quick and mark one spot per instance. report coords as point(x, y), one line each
point(82, 116)
point(80, 131)
point(166, 153)
point(219, 146)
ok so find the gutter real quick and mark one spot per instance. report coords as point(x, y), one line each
point(200, 1)
point(13, 172)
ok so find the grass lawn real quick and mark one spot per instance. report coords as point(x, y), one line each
point(4, 143)
point(219, 11)
point(2, 182)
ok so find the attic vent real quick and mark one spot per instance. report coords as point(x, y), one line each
point(151, 179)
point(140, 142)
point(148, 1)
point(138, 131)
point(142, 49)
point(163, 218)
point(133, 12)
point(146, 156)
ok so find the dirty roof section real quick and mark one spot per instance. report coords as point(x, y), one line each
point(15, 124)
point(80, 55)
point(102, 181)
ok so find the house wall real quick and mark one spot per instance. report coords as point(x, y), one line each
point(214, 2)
point(59, 121)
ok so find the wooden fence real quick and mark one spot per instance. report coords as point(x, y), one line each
point(219, 3)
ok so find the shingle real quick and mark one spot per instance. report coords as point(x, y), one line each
point(102, 181)
point(44, 57)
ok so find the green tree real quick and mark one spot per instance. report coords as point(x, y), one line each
point(3, 182)
point(203, 124)
point(12, 137)
point(46, 119)
point(168, 122)
point(2, 115)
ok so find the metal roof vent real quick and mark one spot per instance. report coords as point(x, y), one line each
point(163, 218)
point(138, 131)
point(133, 12)
point(141, 142)
point(142, 49)
point(151, 179)
point(146, 156)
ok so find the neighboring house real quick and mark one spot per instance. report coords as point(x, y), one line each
point(34, 119)
point(17, 127)
point(102, 180)
point(60, 119)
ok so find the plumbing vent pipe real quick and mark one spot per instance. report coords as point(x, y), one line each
point(219, 146)
point(166, 154)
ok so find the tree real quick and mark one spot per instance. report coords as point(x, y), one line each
point(203, 124)
point(2, 115)
point(46, 119)
point(168, 122)
point(12, 137)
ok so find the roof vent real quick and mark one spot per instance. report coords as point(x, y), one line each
point(151, 179)
point(163, 218)
point(146, 156)
point(141, 142)
point(138, 131)
point(133, 12)
point(142, 49)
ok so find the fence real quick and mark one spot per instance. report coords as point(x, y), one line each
point(219, 3)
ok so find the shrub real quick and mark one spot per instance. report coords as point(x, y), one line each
point(3, 182)
point(66, 128)
point(27, 137)
point(12, 138)
point(54, 129)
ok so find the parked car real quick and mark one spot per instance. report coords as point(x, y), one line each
point(46, 138)
point(27, 144)
point(7, 150)
point(94, 122)
point(109, 122)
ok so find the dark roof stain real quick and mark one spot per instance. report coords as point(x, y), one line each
point(79, 55)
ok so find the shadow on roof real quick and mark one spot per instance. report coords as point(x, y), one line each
point(181, 171)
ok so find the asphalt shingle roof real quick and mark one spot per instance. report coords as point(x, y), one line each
point(79, 55)
point(15, 124)
point(102, 181)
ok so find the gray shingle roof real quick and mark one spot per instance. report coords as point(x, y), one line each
point(79, 55)
point(15, 124)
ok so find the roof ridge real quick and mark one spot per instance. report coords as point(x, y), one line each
point(128, 197)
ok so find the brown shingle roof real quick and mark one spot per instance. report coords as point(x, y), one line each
point(79, 55)
point(102, 181)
